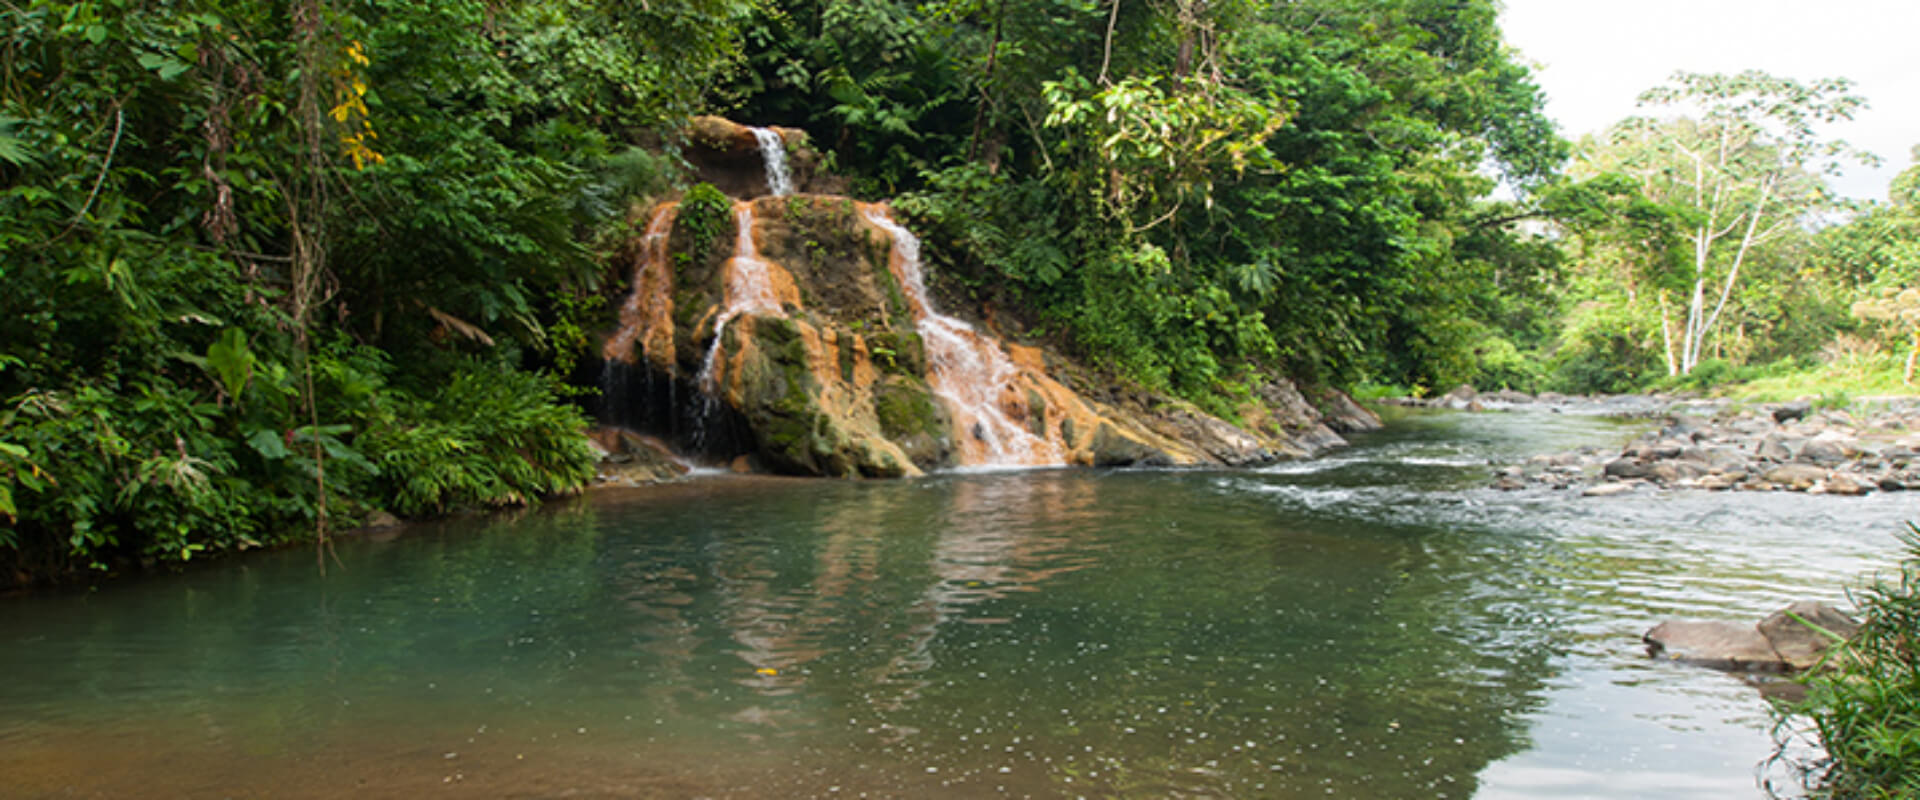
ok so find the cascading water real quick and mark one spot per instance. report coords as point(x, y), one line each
point(647, 315)
point(749, 290)
point(774, 152)
point(645, 335)
point(967, 370)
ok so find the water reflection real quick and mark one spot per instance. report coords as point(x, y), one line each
point(1372, 625)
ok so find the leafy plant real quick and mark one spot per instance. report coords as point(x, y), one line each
point(1866, 705)
point(706, 217)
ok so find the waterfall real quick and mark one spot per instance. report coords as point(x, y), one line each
point(646, 325)
point(967, 369)
point(749, 290)
point(647, 315)
point(774, 152)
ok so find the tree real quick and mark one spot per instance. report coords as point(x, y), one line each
point(1744, 171)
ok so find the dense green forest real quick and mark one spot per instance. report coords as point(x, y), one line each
point(273, 267)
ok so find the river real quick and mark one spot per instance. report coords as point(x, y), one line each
point(1371, 624)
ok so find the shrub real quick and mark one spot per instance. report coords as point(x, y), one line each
point(491, 436)
point(1867, 708)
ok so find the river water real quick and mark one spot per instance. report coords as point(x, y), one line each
point(1373, 624)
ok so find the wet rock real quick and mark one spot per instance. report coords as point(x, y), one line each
point(1717, 482)
point(1717, 645)
point(1801, 633)
point(1111, 448)
point(1626, 468)
point(1825, 449)
point(1773, 448)
point(1848, 485)
point(1344, 415)
point(1799, 477)
point(726, 154)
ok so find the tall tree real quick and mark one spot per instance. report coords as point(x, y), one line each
point(1744, 170)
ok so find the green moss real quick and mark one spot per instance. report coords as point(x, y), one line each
point(898, 352)
point(905, 409)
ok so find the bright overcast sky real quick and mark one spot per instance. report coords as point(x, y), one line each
point(1595, 58)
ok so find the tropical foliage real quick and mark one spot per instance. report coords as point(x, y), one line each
point(1866, 709)
point(272, 264)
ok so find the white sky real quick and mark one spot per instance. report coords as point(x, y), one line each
point(1594, 58)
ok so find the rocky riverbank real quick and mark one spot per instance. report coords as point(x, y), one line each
point(1717, 445)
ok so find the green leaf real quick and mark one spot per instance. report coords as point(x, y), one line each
point(231, 362)
point(12, 150)
point(269, 444)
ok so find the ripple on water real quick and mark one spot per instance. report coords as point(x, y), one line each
point(1374, 624)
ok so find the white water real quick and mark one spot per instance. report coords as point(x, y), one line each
point(774, 152)
point(749, 289)
point(967, 369)
point(644, 310)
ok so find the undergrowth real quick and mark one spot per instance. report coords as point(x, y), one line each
point(1866, 709)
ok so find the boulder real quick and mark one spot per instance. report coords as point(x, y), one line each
point(1793, 638)
point(1626, 468)
point(1773, 448)
point(1797, 476)
point(1111, 448)
point(1787, 412)
point(1607, 490)
point(727, 154)
point(1827, 448)
point(1715, 644)
point(1344, 415)
point(1850, 485)
point(1801, 633)
point(1717, 482)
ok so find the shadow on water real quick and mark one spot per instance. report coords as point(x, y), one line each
point(1370, 625)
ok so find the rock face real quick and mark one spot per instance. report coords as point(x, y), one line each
point(809, 346)
point(728, 155)
point(1793, 638)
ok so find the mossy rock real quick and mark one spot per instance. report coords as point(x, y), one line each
point(821, 243)
point(913, 419)
point(898, 352)
point(780, 401)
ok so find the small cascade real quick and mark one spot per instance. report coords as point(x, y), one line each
point(647, 315)
point(749, 290)
point(774, 152)
point(967, 369)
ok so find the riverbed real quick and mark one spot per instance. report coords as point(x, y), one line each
point(1374, 623)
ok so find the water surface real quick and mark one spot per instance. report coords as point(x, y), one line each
point(1372, 624)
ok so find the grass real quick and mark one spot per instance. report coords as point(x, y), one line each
point(1862, 376)
point(1867, 708)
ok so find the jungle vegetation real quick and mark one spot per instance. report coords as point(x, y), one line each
point(275, 267)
